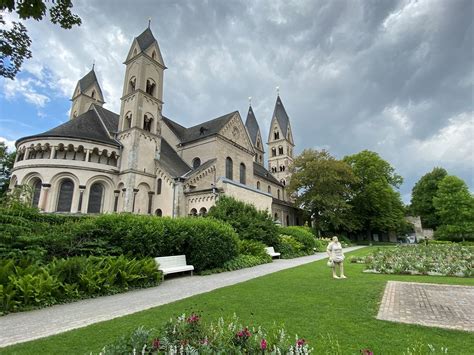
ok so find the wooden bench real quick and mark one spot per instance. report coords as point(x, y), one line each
point(172, 264)
point(270, 251)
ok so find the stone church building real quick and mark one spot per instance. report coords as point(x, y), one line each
point(141, 161)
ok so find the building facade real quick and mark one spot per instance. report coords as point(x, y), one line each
point(140, 161)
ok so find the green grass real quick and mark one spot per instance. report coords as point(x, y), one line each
point(305, 299)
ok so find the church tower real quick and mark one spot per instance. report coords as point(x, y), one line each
point(140, 120)
point(87, 92)
point(280, 143)
point(254, 132)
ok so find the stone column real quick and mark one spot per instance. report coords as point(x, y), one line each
point(87, 154)
point(44, 197)
point(135, 191)
point(179, 208)
point(116, 199)
point(81, 195)
point(53, 152)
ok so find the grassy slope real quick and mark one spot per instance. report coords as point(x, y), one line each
point(305, 299)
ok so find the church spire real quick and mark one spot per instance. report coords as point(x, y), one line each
point(87, 92)
point(254, 132)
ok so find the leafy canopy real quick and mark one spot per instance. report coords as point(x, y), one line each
point(6, 165)
point(15, 42)
point(322, 185)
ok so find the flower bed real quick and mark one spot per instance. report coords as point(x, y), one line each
point(441, 260)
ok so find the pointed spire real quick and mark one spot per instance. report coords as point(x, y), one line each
point(281, 116)
point(252, 125)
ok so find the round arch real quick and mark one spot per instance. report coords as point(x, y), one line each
point(107, 197)
point(55, 186)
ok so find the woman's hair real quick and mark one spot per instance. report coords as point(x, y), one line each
point(335, 239)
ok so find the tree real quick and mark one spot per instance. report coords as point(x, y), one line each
point(454, 204)
point(376, 205)
point(6, 165)
point(322, 185)
point(422, 197)
point(15, 42)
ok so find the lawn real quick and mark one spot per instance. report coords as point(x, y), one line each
point(305, 299)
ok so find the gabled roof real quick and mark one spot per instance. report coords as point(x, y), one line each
point(207, 129)
point(176, 128)
point(93, 125)
point(252, 126)
point(201, 167)
point(281, 116)
point(89, 80)
point(171, 161)
point(146, 39)
point(260, 170)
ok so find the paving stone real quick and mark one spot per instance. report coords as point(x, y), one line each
point(433, 305)
point(25, 326)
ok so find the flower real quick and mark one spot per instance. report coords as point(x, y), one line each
point(300, 342)
point(156, 343)
point(263, 344)
point(366, 352)
point(193, 318)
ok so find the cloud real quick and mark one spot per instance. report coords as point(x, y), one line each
point(10, 144)
point(27, 89)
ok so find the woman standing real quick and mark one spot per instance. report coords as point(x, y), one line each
point(336, 255)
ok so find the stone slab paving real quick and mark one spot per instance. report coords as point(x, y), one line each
point(433, 305)
point(25, 326)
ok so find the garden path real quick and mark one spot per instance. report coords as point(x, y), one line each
point(26, 326)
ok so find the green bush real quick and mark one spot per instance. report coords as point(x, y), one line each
point(302, 235)
point(248, 222)
point(289, 247)
point(456, 233)
point(26, 284)
point(252, 247)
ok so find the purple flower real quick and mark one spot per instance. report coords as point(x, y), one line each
point(263, 344)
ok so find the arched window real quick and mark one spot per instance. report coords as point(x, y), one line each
point(229, 168)
point(153, 55)
point(147, 123)
point(287, 220)
point(158, 186)
point(258, 185)
point(36, 192)
point(159, 213)
point(283, 182)
point(196, 163)
point(278, 193)
point(93, 94)
point(242, 173)
point(260, 158)
point(193, 212)
point(150, 87)
point(276, 135)
point(66, 191)
point(276, 216)
point(96, 194)
point(280, 150)
point(131, 84)
point(203, 211)
point(274, 152)
point(128, 120)
point(269, 189)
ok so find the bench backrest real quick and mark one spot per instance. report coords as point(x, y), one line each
point(270, 250)
point(171, 261)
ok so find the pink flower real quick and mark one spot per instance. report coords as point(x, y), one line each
point(193, 318)
point(300, 342)
point(156, 343)
point(366, 352)
point(263, 344)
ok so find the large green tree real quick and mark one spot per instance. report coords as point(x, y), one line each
point(453, 202)
point(322, 185)
point(15, 42)
point(377, 206)
point(422, 197)
point(6, 165)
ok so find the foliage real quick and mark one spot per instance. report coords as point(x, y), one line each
point(376, 205)
point(290, 248)
point(302, 235)
point(323, 187)
point(422, 197)
point(252, 247)
point(445, 259)
point(7, 160)
point(241, 261)
point(248, 222)
point(454, 206)
point(15, 42)
point(187, 334)
point(25, 283)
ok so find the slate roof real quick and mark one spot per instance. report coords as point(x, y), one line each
point(146, 39)
point(171, 161)
point(89, 125)
point(252, 126)
point(201, 167)
point(202, 130)
point(282, 117)
point(259, 170)
point(87, 81)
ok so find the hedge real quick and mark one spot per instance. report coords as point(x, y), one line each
point(302, 235)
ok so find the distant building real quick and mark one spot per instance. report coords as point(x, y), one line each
point(142, 162)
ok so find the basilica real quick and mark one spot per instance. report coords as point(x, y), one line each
point(140, 161)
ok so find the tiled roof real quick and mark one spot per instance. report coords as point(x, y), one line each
point(171, 161)
point(88, 80)
point(259, 170)
point(146, 39)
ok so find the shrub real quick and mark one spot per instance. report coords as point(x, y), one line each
point(248, 222)
point(289, 247)
point(302, 235)
point(252, 247)
point(456, 233)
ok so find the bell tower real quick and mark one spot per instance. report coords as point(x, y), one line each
point(280, 144)
point(87, 92)
point(140, 120)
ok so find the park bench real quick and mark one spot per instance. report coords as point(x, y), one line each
point(270, 251)
point(172, 264)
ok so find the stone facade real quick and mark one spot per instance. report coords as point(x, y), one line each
point(140, 161)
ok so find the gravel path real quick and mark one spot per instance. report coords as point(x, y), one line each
point(25, 326)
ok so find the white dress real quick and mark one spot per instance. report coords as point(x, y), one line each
point(335, 248)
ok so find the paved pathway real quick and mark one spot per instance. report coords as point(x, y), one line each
point(444, 306)
point(25, 326)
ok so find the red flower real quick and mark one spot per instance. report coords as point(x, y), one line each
point(193, 318)
point(156, 343)
point(263, 344)
point(300, 342)
point(366, 352)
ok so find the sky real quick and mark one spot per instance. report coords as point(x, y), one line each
point(394, 77)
